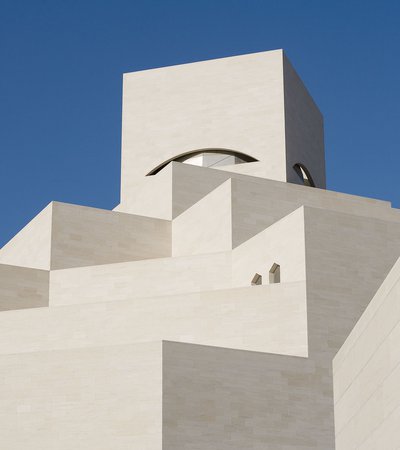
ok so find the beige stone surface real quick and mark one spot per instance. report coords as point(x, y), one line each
point(367, 374)
point(230, 399)
point(203, 105)
point(103, 398)
point(254, 104)
point(148, 278)
point(21, 287)
point(259, 318)
point(347, 259)
point(206, 227)
point(142, 328)
point(154, 196)
point(242, 207)
point(282, 243)
point(83, 236)
point(185, 185)
point(65, 235)
point(120, 304)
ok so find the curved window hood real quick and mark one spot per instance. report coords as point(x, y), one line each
point(304, 174)
point(211, 158)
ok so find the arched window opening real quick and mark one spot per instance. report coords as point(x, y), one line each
point(304, 174)
point(257, 279)
point(210, 158)
point(275, 274)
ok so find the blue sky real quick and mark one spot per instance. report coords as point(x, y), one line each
point(61, 82)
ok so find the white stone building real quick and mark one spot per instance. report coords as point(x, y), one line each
point(225, 303)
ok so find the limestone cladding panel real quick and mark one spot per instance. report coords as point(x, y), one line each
point(173, 190)
point(281, 243)
point(347, 259)
point(85, 236)
point(21, 287)
point(65, 235)
point(235, 400)
point(256, 205)
point(260, 318)
point(366, 375)
point(97, 398)
point(153, 196)
point(190, 184)
point(206, 227)
point(148, 278)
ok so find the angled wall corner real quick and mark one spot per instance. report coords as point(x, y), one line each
point(347, 259)
point(65, 235)
point(366, 373)
point(282, 241)
point(172, 191)
point(31, 247)
point(84, 236)
point(135, 279)
point(23, 287)
point(205, 227)
point(150, 196)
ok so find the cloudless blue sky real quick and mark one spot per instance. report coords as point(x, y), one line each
point(61, 84)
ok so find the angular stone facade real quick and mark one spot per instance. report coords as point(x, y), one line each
point(204, 312)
